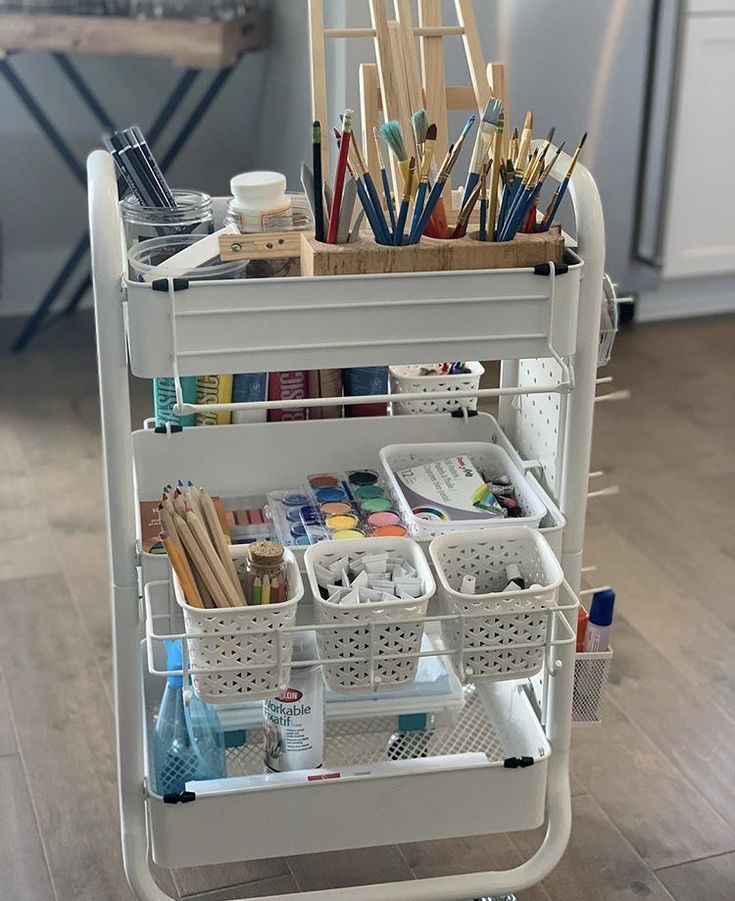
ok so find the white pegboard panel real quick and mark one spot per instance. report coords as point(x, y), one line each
point(538, 420)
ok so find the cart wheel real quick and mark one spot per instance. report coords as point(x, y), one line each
point(498, 898)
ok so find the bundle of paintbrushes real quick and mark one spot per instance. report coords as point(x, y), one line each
point(523, 175)
point(139, 168)
point(507, 191)
point(196, 545)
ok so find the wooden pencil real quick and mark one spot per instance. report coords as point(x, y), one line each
point(218, 539)
point(183, 572)
point(200, 533)
point(199, 561)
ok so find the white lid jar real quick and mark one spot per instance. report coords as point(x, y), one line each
point(259, 202)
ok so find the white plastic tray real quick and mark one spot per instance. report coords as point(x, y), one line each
point(487, 457)
point(213, 456)
point(229, 326)
point(247, 822)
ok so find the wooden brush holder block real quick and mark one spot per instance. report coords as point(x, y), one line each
point(364, 257)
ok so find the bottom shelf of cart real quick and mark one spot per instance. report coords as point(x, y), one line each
point(459, 778)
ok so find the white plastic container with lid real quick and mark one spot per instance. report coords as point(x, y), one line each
point(259, 202)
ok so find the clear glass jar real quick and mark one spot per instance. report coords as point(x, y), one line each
point(264, 578)
point(193, 215)
point(146, 255)
point(298, 219)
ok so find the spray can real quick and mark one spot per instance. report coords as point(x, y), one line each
point(294, 721)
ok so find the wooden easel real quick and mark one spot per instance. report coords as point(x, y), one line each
point(398, 90)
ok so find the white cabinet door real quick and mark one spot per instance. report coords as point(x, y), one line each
point(700, 221)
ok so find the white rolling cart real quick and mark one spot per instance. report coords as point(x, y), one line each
point(544, 326)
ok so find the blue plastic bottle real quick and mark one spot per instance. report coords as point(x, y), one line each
point(188, 741)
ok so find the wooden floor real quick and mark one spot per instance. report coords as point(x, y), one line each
point(654, 793)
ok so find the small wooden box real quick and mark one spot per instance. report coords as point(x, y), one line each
point(432, 254)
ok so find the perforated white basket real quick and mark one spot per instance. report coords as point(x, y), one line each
point(372, 642)
point(406, 380)
point(496, 634)
point(489, 459)
point(241, 653)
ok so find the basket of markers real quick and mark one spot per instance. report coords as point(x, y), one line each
point(430, 378)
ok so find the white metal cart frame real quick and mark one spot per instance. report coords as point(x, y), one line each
point(572, 467)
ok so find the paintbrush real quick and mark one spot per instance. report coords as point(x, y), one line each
point(417, 229)
point(339, 177)
point(529, 224)
point(483, 203)
point(367, 178)
point(384, 180)
point(556, 200)
point(316, 144)
point(367, 206)
point(406, 199)
point(523, 199)
point(483, 141)
point(497, 152)
point(428, 158)
point(364, 180)
point(514, 146)
point(525, 144)
point(460, 228)
point(420, 125)
point(392, 133)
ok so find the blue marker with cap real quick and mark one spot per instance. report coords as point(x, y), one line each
point(597, 637)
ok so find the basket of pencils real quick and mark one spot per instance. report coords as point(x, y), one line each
point(430, 378)
point(234, 621)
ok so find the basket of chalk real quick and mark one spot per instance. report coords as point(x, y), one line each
point(374, 594)
point(429, 379)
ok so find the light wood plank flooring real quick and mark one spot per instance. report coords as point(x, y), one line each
point(654, 794)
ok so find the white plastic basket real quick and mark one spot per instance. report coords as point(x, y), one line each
point(496, 634)
point(591, 672)
point(372, 641)
point(489, 459)
point(241, 653)
point(406, 380)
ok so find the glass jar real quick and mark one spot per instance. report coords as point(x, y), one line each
point(193, 215)
point(260, 203)
point(264, 579)
point(146, 255)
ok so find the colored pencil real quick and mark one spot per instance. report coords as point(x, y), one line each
point(183, 573)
